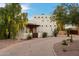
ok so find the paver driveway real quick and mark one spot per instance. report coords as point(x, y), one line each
point(34, 47)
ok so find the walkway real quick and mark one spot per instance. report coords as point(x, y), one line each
point(34, 47)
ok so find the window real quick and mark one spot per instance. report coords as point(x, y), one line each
point(46, 25)
point(41, 17)
point(45, 17)
point(34, 17)
point(50, 25)
point(38, 17)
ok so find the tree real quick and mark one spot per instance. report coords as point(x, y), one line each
point(72, 13)
point(60, 13)
point(67, 13)
point(11, 20)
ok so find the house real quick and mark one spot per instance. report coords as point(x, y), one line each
point(38, 25)
point(45, 24)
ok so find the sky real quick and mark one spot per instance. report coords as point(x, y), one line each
point(36, 8)
point(39, 8)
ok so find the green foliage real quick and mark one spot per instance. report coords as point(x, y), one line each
point(64, 42)
point(11, 20)
point(44, 35)
point(73, 13)
point(55, 32)
point(60, 13)
point(29, 37)
point(67, 13)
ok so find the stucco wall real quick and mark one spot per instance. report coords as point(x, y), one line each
point(46, 25)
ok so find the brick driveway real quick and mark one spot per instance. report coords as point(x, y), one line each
point(34, 47)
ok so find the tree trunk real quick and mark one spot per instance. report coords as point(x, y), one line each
point(9, 36)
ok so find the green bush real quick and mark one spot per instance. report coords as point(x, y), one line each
point(55, 32)
point(44, 35)
point(64, 42)
point(29, 37)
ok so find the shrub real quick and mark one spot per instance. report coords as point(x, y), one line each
point(65, 44)
point(29, 37)
point(44, 35)
point(55, 32)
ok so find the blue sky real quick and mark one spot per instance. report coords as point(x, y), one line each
point(39, 8)
point(36, 8)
